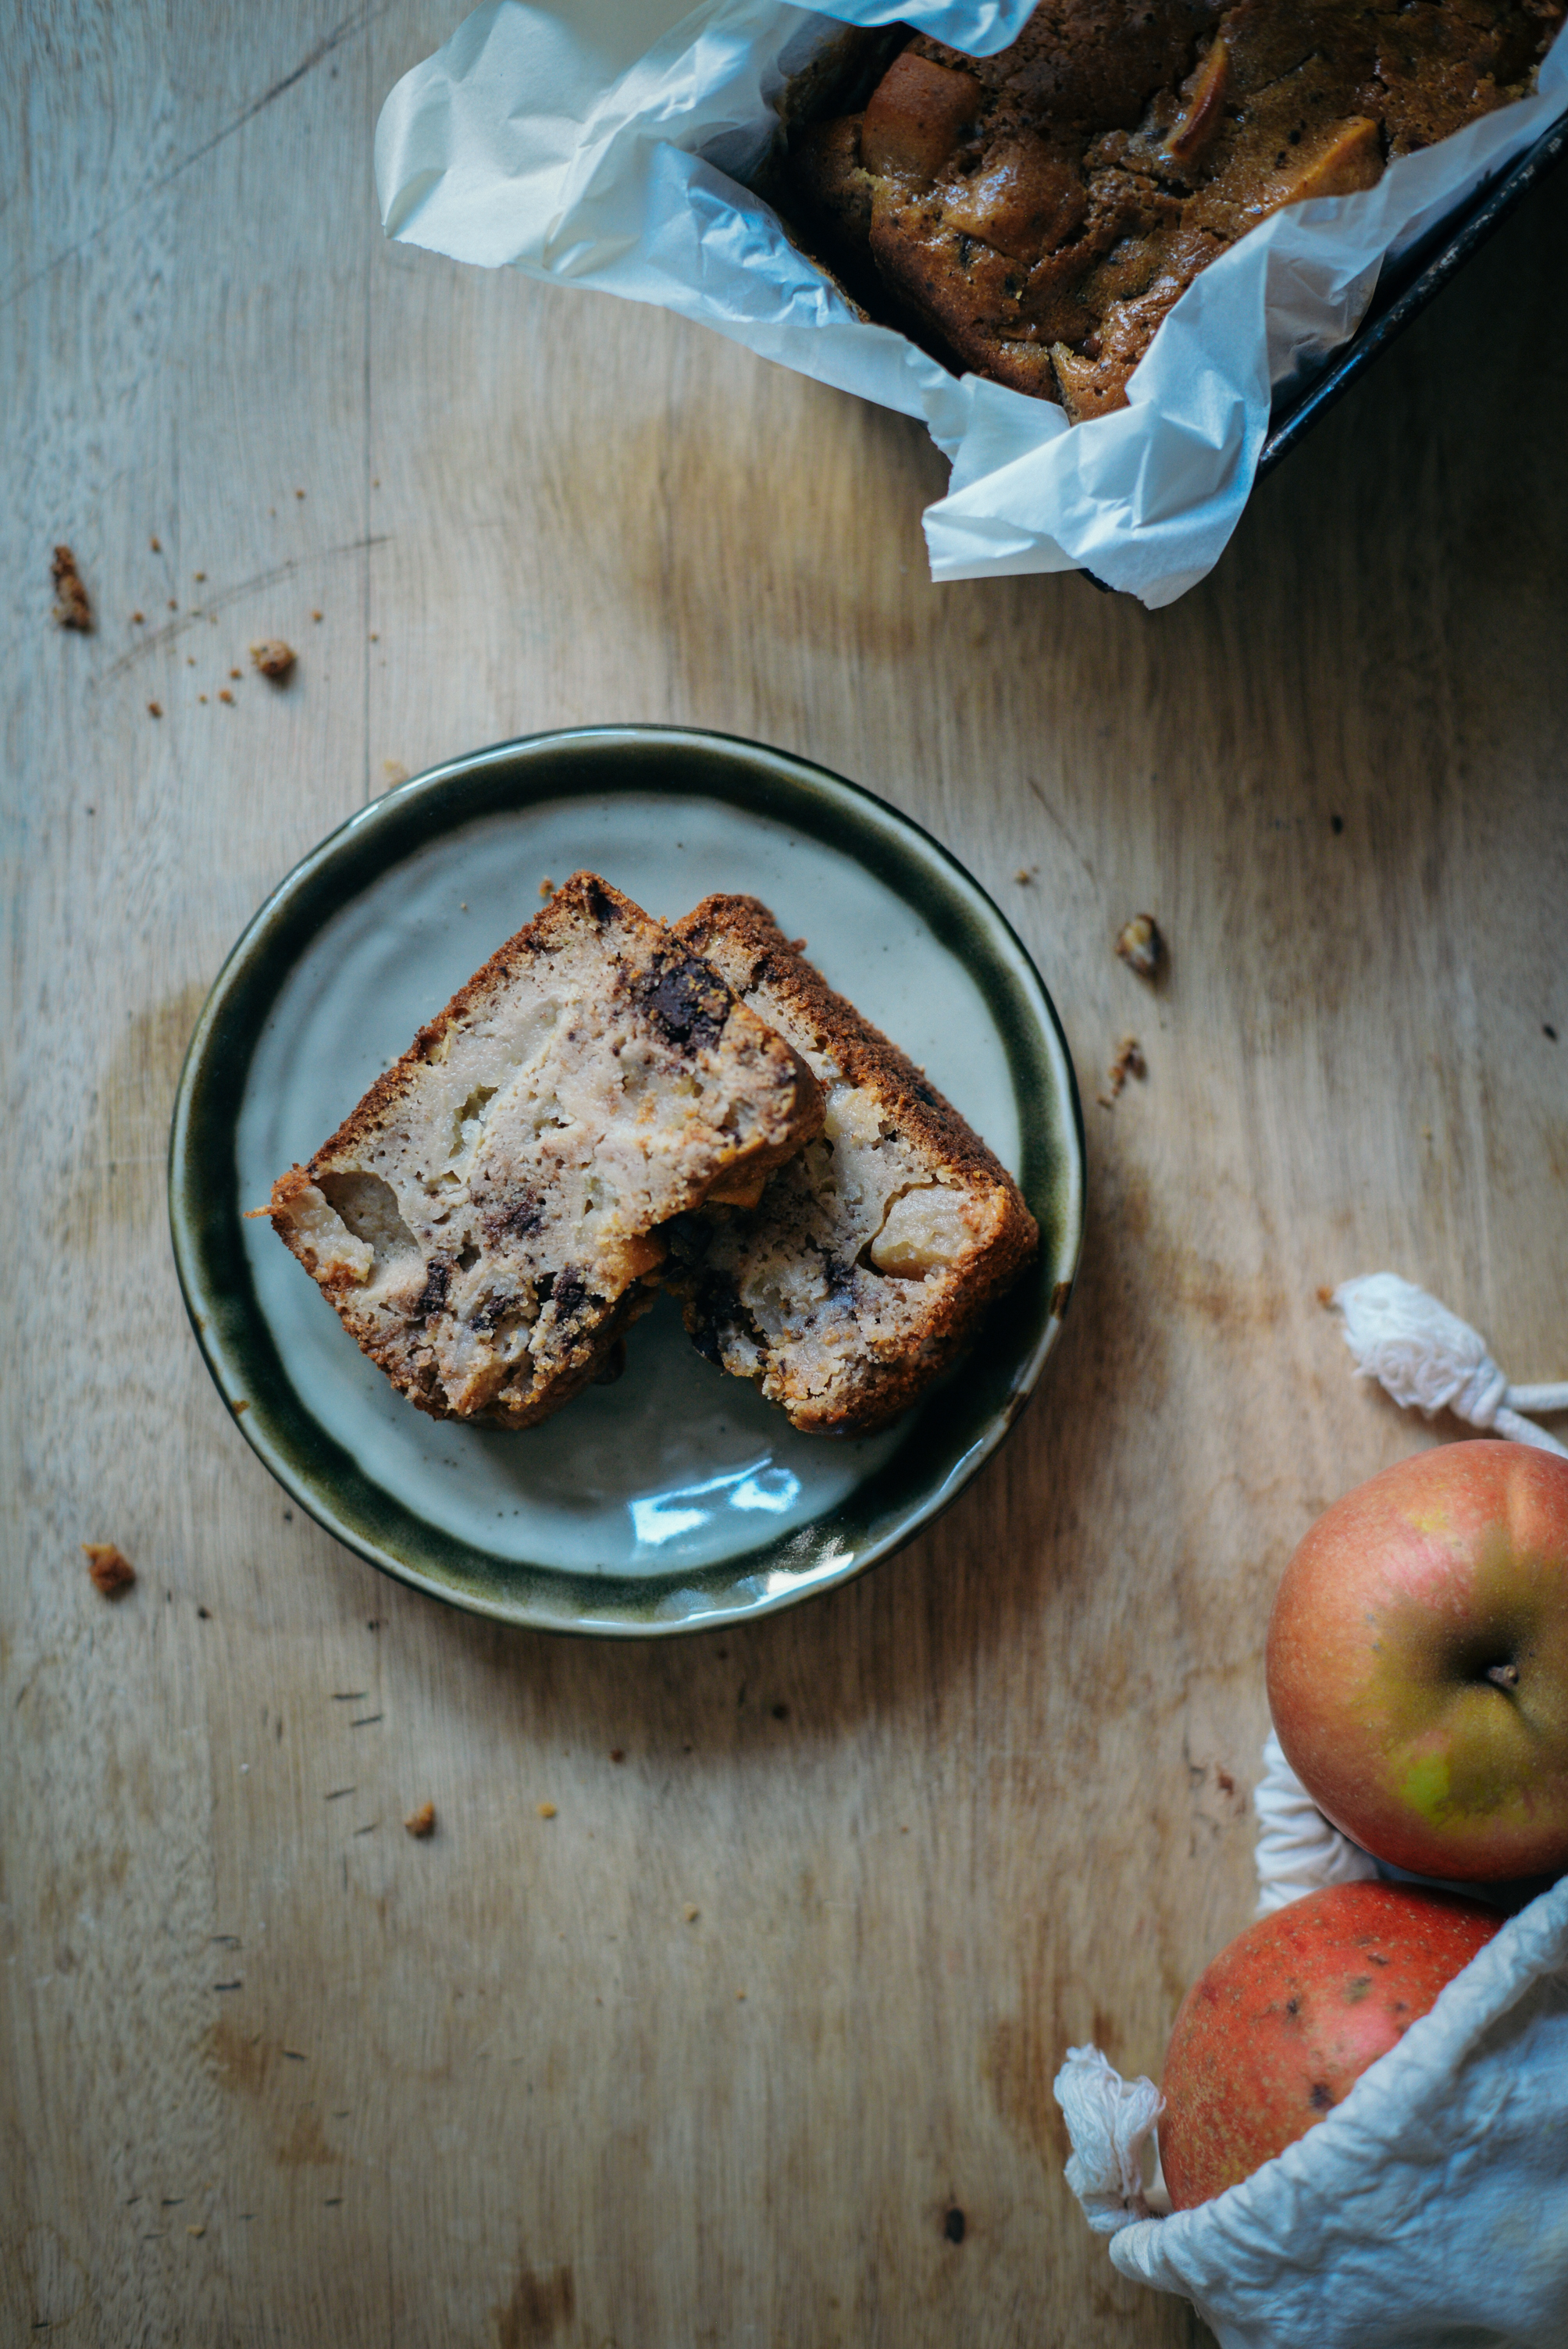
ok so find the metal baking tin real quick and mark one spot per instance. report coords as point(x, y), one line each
point(1405, 291)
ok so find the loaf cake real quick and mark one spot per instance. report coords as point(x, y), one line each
point(864, 1266)
point(488, 1220)
point(1034, 215)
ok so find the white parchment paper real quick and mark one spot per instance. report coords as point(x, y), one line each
point(580, 141)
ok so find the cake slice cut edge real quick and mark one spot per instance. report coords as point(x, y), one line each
point(865, 1267)
point(488, 1221)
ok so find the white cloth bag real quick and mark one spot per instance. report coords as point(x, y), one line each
point(565, 140)
point(1430, 2210)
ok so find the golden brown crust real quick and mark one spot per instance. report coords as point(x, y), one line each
point(585, 894)
point(486, 1221)
point(814, 1292)
point(741, 935)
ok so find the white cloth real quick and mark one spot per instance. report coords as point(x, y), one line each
point(1298, 1852)
point(1430, 2210)
point(1109, 2120)
point(1426, 1357)
point(569, 141)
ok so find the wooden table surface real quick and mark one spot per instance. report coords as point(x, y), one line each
point(273, 2072)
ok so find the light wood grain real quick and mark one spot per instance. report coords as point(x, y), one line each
point(495, 2087)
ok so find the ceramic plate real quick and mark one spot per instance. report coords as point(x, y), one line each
point(676, 1499)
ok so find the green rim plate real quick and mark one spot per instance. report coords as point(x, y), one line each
point(944, 1442)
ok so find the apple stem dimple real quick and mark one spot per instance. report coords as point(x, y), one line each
point(1505, 1675)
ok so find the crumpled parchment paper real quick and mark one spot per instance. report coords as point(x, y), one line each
point(582, 141)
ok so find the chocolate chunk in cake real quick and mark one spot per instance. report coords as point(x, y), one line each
point(488, 1220)
point(863, 1268)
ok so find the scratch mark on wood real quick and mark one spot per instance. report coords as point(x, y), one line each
point(308, 63)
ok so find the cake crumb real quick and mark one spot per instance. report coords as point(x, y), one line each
point(224, 694)
point(1128, 1063)
point(299, 493)
point(155, 546)
point(193, 2231)
point(172, 605)
point(740, 1993)
point(200, 696)
point(422, 1822)
point(72, 610)
point(274, 658)
point(1325, 1295)
point(394, 771)
point(546, 1810)
point(155, 709)
point(1141, 945)
point(199, 574)
point(235, 672)
point(138, 619)
point(109, 1567)
point(617, 1753)
point(691, 1912)
point(1023, 877)
point(547, 887)
point(315, 615)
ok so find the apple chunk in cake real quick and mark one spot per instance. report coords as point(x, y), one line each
point(487, 1222)
point(863, 1268)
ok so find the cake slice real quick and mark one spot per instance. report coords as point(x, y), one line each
point(487, 1222)
point(865, 1265)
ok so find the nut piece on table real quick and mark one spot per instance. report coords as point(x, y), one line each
point(1141, 945)
point(274, 658)
point(422, 1822)
point(72, 610)
point(110, 1571)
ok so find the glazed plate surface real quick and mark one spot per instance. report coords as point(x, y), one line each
point(677, 1498)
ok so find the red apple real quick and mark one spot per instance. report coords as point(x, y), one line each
point(1290, 2015)
point(1417, 1663)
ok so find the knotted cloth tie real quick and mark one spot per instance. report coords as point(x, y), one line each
point(1426, 1357)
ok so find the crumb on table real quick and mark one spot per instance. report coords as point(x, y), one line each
point(422, 1822)
point(1128, 1063)
point(109, 1567)
point(546, 1810)
point(72, 610)
point(272, 657)
point(1141, 945)
point(547, 887)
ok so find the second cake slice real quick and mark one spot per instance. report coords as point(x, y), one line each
point(487, 1221)
point(864, 1268)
